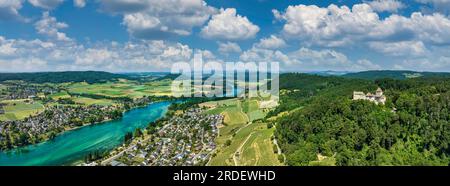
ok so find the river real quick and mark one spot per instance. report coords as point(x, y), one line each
point(72, 146)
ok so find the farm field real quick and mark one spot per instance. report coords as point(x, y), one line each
point(242, 141)
point(159, 88)
point(2, 87)
point(123, 88)
point(60, 95)
point(19, 109)
point(258, 149)
point(251, 108)
point(90, 101)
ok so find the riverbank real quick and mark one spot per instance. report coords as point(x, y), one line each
point(72, 146)
point(186, 138)
point(56, 119)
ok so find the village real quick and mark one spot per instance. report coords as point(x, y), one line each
point(187, 138)
point(52, 121)
point(22, 90)
point(57, 115)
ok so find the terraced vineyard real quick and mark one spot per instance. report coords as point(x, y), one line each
point(242, 140)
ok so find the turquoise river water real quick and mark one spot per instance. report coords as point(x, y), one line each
point(72, 146)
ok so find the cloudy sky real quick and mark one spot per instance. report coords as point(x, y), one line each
point(151, 35)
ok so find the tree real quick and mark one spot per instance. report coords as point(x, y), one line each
point(137, 133)
point(228, 142)
point(128, 137)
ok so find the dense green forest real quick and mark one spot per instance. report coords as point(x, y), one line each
point(412, 128)
point(297, 89)
point(62, 77)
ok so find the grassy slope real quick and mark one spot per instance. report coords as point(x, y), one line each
point(258, 149)
point(252, 140)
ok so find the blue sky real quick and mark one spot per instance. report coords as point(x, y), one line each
point(151, 35)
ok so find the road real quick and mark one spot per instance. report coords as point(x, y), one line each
point(240, 149)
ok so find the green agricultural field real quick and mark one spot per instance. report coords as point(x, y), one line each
point(230, 108)
point(251, 108)
point(106, 89)
point(224, 153)
point(234, 115)
point(159, 88)
point(20, 109)
point(90, 101)
point(249, 143)
point(2, 87)
point(218, 104)
point(216, 110)
point(122, 88)
point(256, 115)
point(258, 150)
point(59, 95)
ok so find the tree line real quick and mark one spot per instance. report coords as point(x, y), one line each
point(412, 128)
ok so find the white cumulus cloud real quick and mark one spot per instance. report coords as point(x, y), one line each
point(230, 26)
point(37, 55)
point(272, 42)
point(335, 26)
point(50, 27)
point(46, 4)
point(79, 3)
point(155, 19)
point(9, 9)
point(306, 59)
point(229, 47)
point(386, 5)
point(403, 48)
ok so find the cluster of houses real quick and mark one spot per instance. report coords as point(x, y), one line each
point(56, 119)
point(185, 139)
point(377, 98)
point(22, 90)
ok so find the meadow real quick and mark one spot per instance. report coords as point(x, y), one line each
point(123, 88)
point(20, 109)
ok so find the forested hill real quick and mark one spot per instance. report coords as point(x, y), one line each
point(380, 74)
point(322, 120)
point(62, 77)
point(299, 89)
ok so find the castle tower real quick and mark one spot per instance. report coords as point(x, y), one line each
point(379, 92)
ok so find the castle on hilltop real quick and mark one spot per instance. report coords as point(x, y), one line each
point(377, 98)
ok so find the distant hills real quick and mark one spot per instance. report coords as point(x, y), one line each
point(100, 76)
point(62, 77)
point(329, 73)
point(401, 74)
